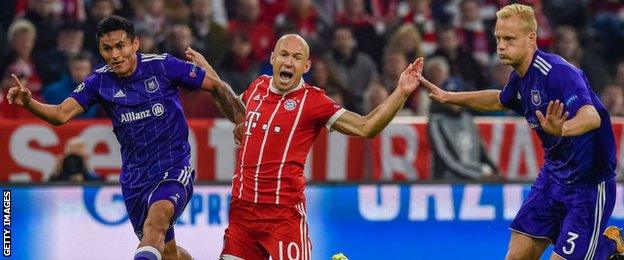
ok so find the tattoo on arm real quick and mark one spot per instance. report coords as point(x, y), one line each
point(228, 103)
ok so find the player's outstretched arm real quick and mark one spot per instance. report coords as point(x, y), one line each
point(555, 123)
point(370, 125)
point(53, 114)
point(227, 102)
point(483, 100)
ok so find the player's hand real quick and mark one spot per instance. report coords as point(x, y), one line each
point(239, 133)
point(18, 94)
point(435, 92)
point(197, 58)
point(408, 81)
point(552, 123)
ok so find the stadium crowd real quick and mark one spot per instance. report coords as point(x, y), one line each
point(359, 47)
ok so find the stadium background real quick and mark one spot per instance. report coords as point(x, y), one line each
point(371, 199)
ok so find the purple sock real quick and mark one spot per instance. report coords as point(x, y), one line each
point(147, 253)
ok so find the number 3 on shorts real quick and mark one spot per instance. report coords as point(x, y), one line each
point(292, 251)
point(570, 241)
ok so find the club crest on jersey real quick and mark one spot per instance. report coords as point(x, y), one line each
point(193, 72)
point(536, 99)
point(290, 105)
point(151, 84)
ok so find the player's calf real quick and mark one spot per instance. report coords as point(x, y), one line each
point(155, 227)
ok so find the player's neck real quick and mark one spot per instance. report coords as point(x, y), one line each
point(523, 67)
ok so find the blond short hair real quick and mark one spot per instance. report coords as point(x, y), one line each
point(21, 26)
point(524, 12)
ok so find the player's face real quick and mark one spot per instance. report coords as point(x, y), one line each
point(290, 61)
point(119, 52)
point(513, 43)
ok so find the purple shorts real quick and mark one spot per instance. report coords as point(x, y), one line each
point(175, 186)
point(572, 218)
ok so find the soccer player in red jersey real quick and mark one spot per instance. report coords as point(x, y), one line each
point(283, 117)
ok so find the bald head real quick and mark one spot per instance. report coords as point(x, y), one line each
point(293, 40)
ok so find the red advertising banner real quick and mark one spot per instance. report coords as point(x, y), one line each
point(29, 150)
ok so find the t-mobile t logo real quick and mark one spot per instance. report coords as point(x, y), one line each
point(252, 117)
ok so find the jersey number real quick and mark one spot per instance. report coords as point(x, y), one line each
point(292, 251)
point(570, 241)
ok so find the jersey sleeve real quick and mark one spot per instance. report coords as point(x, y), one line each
point(244, 97)
point(86, 92)
point(573, 86)
point(509, 97)
point(185, 74)
point(325, 111)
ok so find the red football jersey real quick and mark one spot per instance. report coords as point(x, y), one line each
point(280, 129)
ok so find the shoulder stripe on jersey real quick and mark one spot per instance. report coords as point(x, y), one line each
point(151, 55)
point(103, 69)
point(544, 62)
point(154, 58)
point(290, 137)
point(541, 64)
point(540, 68)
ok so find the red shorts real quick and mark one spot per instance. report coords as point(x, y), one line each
point(257, 231)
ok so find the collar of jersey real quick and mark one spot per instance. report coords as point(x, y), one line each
point(276, 91)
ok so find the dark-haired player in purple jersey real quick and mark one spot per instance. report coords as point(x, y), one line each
point(139, 92)
point(574, 194)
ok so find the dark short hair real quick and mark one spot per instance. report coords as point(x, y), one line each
point(80, 57)
point(115, 23)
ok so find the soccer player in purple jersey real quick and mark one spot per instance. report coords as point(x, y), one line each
point(139, 92)
point(574, 194)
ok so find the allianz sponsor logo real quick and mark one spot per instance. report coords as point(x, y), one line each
point(157, 110)
point(207, 207)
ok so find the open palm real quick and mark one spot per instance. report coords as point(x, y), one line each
point(409, 77)
point(552, 122)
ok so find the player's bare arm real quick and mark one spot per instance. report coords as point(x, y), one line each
point(227, 102)
point(371, 124)
point(53, 114)
point(555, 121)
point(483, 100)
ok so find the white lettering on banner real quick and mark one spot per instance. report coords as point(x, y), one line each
point(522, 147)
point(379, 202)
point(496, 141)
point(193, 144)
point(399, 163)
point(512, 200)
point(620, 155)
point(336, 157)
point(225, 151)
point(99, 134)
point(618, 209)
point(442, 196)
point(471, 209)
point(30, 158)
point(109, 205)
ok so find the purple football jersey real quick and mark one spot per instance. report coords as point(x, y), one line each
point(146, 113)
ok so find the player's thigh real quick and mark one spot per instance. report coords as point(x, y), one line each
point(522, 246)
point(240, 238)
point(290, 238)
point(588, 213)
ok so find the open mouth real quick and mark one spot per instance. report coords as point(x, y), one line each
point(285, 76)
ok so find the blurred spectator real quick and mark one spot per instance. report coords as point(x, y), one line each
point(148, 42)
point(8, 110)
point(69, 42)
point(98, 10)
point(613, 99)
point(324, 76)
point(180, 38)
point(79, 68)
point(457, 148)
point(302, 16)
point(271, 9)
point(374, 96)
point(569, 47)
point(385, 11)
point(473, 34)
point(328, 9)
point(72, 165)
point(246, 22)
point(406, 39)
point(355, 68)
point(394, 62)
point(210, 36)
point(153, 17)
point(41, 14)
point(239, 67)
point(500, 75)
point(421, 15)
point(363, 29)
point(462, 63)
point(21, 37)
point(619, 73)
point(177, 11)
point(545, 37)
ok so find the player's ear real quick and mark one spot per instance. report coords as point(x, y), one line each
point(135, 43)
point(533, 38)
point(272, 57)
point(308, 66)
